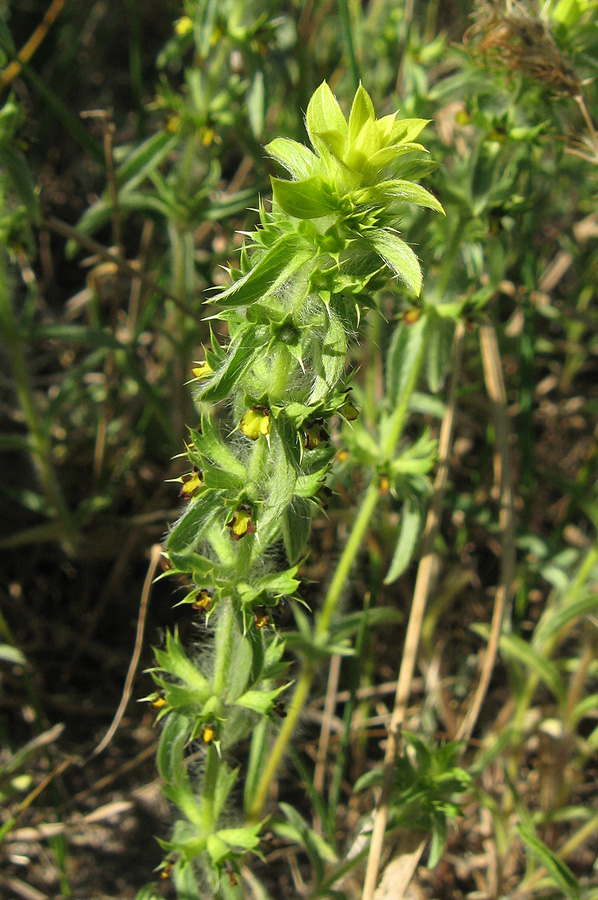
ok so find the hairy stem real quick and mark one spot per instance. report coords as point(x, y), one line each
point(339, 579)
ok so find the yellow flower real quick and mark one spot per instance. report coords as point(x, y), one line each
point(256, 422)
point(183, 26)
point(203, 370)
point(384, 484)
point(208, 733)
point(207, 136)
point(192, 483)
point(159, 702)
point(261, 618)
point(241, 523)
point(203, 601)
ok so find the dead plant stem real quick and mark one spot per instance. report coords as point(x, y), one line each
point(495, 386)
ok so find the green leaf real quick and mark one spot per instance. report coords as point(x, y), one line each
point(324, 114)
point(174, 661)
point(307, 199)
point(261, 702)
point(257, 759)
point(210, 445)
point(144, 159)
point(288, 254)
point(247, 838)
point(281, 483)
point(439, 350)
point(403, 354)
point(241, 353)
point(398, 256)
point(187, 531)
point(329, 360)
point(205, 15)
point(411, 522)
point(256, 105)
point(515, 649)
point(404, 131)
point(296, 158)
point(12, 655)
point(298, 831)
point(15, 164)
point(362, 110)
point(398, 190)
point(554, 620)
point(296, 527)
point(559, 871)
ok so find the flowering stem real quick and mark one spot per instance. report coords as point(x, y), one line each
point(343, 569)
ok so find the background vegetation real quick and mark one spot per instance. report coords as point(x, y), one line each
point(131, 145)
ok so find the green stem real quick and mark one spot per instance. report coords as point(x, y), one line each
point(224, 640)
point(294, 710)
point(209, 788)
point(397, 421)
point(308, 670)
point(41, 448)
point(368, 506)
point(345, 17)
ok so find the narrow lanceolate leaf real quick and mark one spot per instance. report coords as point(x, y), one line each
point(396, 191)
point(560, 872)
point(13, 161)
point(287, 255)
point(240, 357)
point(361, 111)
point(296, 158)
point(204, 25)
point(308, 199)
point(399, 256)
point(411, 521)
point(406, 130)
point(403, 355)
point(324, 113)
point(553, 620)
point(514, 648)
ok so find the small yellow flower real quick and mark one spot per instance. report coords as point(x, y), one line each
point(203, 370)
point(203, 601)
point(261, 618)
point(183, 26)
point(411, 316)
point(241, 523)
point(192, 484)
point(208, 733)
point(384, 484)
point(256, 422)
point(207, 136)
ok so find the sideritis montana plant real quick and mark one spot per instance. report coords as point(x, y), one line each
point(256, 475)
